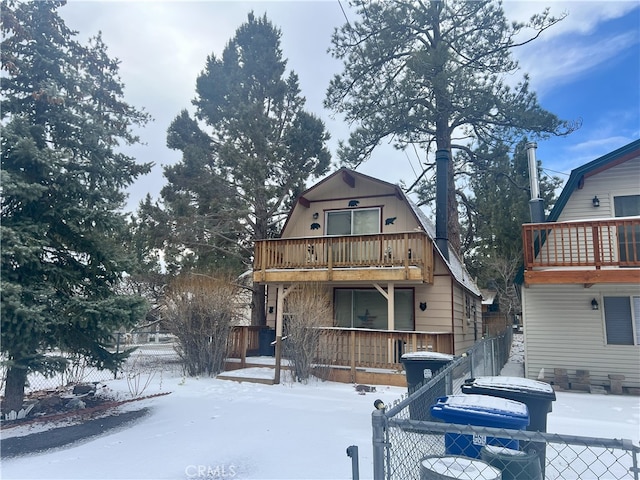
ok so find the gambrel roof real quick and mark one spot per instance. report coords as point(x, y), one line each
point(350, 177)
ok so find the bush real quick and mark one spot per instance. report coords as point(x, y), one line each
point(307, 309)
point(200, 312)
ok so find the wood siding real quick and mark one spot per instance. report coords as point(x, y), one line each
point(562, 331)
point(623, 179)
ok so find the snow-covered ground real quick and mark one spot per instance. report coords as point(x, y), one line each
point(214, 428)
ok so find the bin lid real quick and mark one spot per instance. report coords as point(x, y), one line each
point(458, 468)
point(481, 410)
point(514, 385)
point(445, 357)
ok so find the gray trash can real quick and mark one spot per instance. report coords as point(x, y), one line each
point(457, 468)
point(418, 367)
point(514, 464)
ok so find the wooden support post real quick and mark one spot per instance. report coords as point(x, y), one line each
point(279, 307)
point(352, 348)
point(244, 344)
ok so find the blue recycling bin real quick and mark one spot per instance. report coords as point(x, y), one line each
point(482, 411)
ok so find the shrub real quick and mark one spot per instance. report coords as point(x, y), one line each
point(200, 312)
point(307, 309)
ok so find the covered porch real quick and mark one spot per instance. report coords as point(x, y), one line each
point(349, 354)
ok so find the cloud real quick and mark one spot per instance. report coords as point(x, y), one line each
point(582, 17)
point(566, 58)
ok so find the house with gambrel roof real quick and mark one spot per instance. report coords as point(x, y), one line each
point(393, 288)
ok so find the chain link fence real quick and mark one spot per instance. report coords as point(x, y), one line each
point(152, 351)
point(409, 443)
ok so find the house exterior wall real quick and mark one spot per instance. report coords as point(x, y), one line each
point(444, 298)
point(621, 179)
point(562, 331)
point(367, 194)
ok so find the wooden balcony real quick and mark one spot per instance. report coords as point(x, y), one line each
point(588, 252)
point(380, 257)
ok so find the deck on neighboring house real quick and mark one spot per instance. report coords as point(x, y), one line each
point(582, 252)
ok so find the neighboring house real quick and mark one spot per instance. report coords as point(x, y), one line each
point(494, 321)
point(373, 249)
point(581, 295)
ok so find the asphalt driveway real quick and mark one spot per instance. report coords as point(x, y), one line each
point(63, 436)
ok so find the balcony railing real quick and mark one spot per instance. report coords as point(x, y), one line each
point(409, 249)
point(587, 244)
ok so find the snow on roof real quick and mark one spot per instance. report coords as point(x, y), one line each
point(456, 267)
point(488, 296)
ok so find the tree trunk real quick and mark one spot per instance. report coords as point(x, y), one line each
point(14, 389)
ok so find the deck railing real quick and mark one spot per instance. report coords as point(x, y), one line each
point(352, 347)
point(364, 348)
point(397, 249)
point(601, 243)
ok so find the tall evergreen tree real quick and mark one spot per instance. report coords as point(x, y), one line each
point(63, 118)
point(261, 147)
point(435, 75)
point(499, 207)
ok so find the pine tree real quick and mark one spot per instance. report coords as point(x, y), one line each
point(256, 148)
point(499, 207)
point(63, 119)
point(435, 75)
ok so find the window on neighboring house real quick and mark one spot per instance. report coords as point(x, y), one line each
point(367, 308)
point(353, 222)
point(622, 320)
point(628, 236)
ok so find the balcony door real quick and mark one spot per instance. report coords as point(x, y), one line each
point(360, 221)
point(628, 236)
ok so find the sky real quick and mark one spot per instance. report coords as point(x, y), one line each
point(227, 429)
point(585, 69)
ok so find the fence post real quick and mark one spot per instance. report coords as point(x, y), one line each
point(378, 421)
point(494, 364)
point(352, 452)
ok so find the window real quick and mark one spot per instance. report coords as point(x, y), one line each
point(628, 236)
point(353, 222)
point(367, 308)
point(622, 320)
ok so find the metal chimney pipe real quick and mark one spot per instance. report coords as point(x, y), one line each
point(442, 217)
point(536, 205)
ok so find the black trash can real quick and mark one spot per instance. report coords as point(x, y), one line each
point(419, 367)
point(537, 396)
point(266, 337)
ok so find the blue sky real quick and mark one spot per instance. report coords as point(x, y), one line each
point(585, 68)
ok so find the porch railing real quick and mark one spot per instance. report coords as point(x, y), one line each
point(397, 249)
point(600, 243)
point(351, 347)
point(359, 348)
